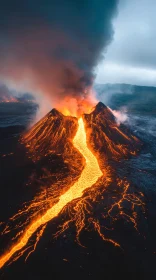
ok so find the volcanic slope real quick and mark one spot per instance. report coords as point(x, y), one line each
point(108, 139)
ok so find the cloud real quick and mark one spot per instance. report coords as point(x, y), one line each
point(121, 73)
point(131, 56)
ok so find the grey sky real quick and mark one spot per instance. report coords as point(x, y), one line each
point(131, 57)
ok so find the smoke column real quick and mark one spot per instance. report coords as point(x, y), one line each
point(51, 48)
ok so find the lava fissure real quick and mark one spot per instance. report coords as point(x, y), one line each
point(88, 178)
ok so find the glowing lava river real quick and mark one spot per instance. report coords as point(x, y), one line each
point(89, 177)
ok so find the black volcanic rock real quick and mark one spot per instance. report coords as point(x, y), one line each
point(100, 106)
point(99, 109)
point(54, 112)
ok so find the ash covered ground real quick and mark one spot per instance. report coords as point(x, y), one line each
point(64, 258)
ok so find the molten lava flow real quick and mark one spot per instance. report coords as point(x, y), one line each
point(89, 176)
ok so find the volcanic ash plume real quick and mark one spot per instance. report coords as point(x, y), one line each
point(52, 47)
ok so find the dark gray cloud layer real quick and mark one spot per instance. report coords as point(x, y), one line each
point(135, 39)
point(131, 57)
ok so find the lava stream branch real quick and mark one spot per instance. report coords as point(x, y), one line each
point(88, 178)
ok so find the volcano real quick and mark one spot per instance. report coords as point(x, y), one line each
point(86, 146)
point(54, 134)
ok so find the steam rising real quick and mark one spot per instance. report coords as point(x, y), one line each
point(52, 47)
point(120, 116)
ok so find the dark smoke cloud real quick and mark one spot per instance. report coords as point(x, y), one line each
point(53, 46)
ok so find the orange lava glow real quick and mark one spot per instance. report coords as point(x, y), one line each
point(89, 176)
point(9, 99)
point(77, 106)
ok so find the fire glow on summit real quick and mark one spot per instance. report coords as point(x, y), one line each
point(89, 176)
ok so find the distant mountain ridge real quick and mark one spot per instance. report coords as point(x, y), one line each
point(126, 88)
point(136, 98)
